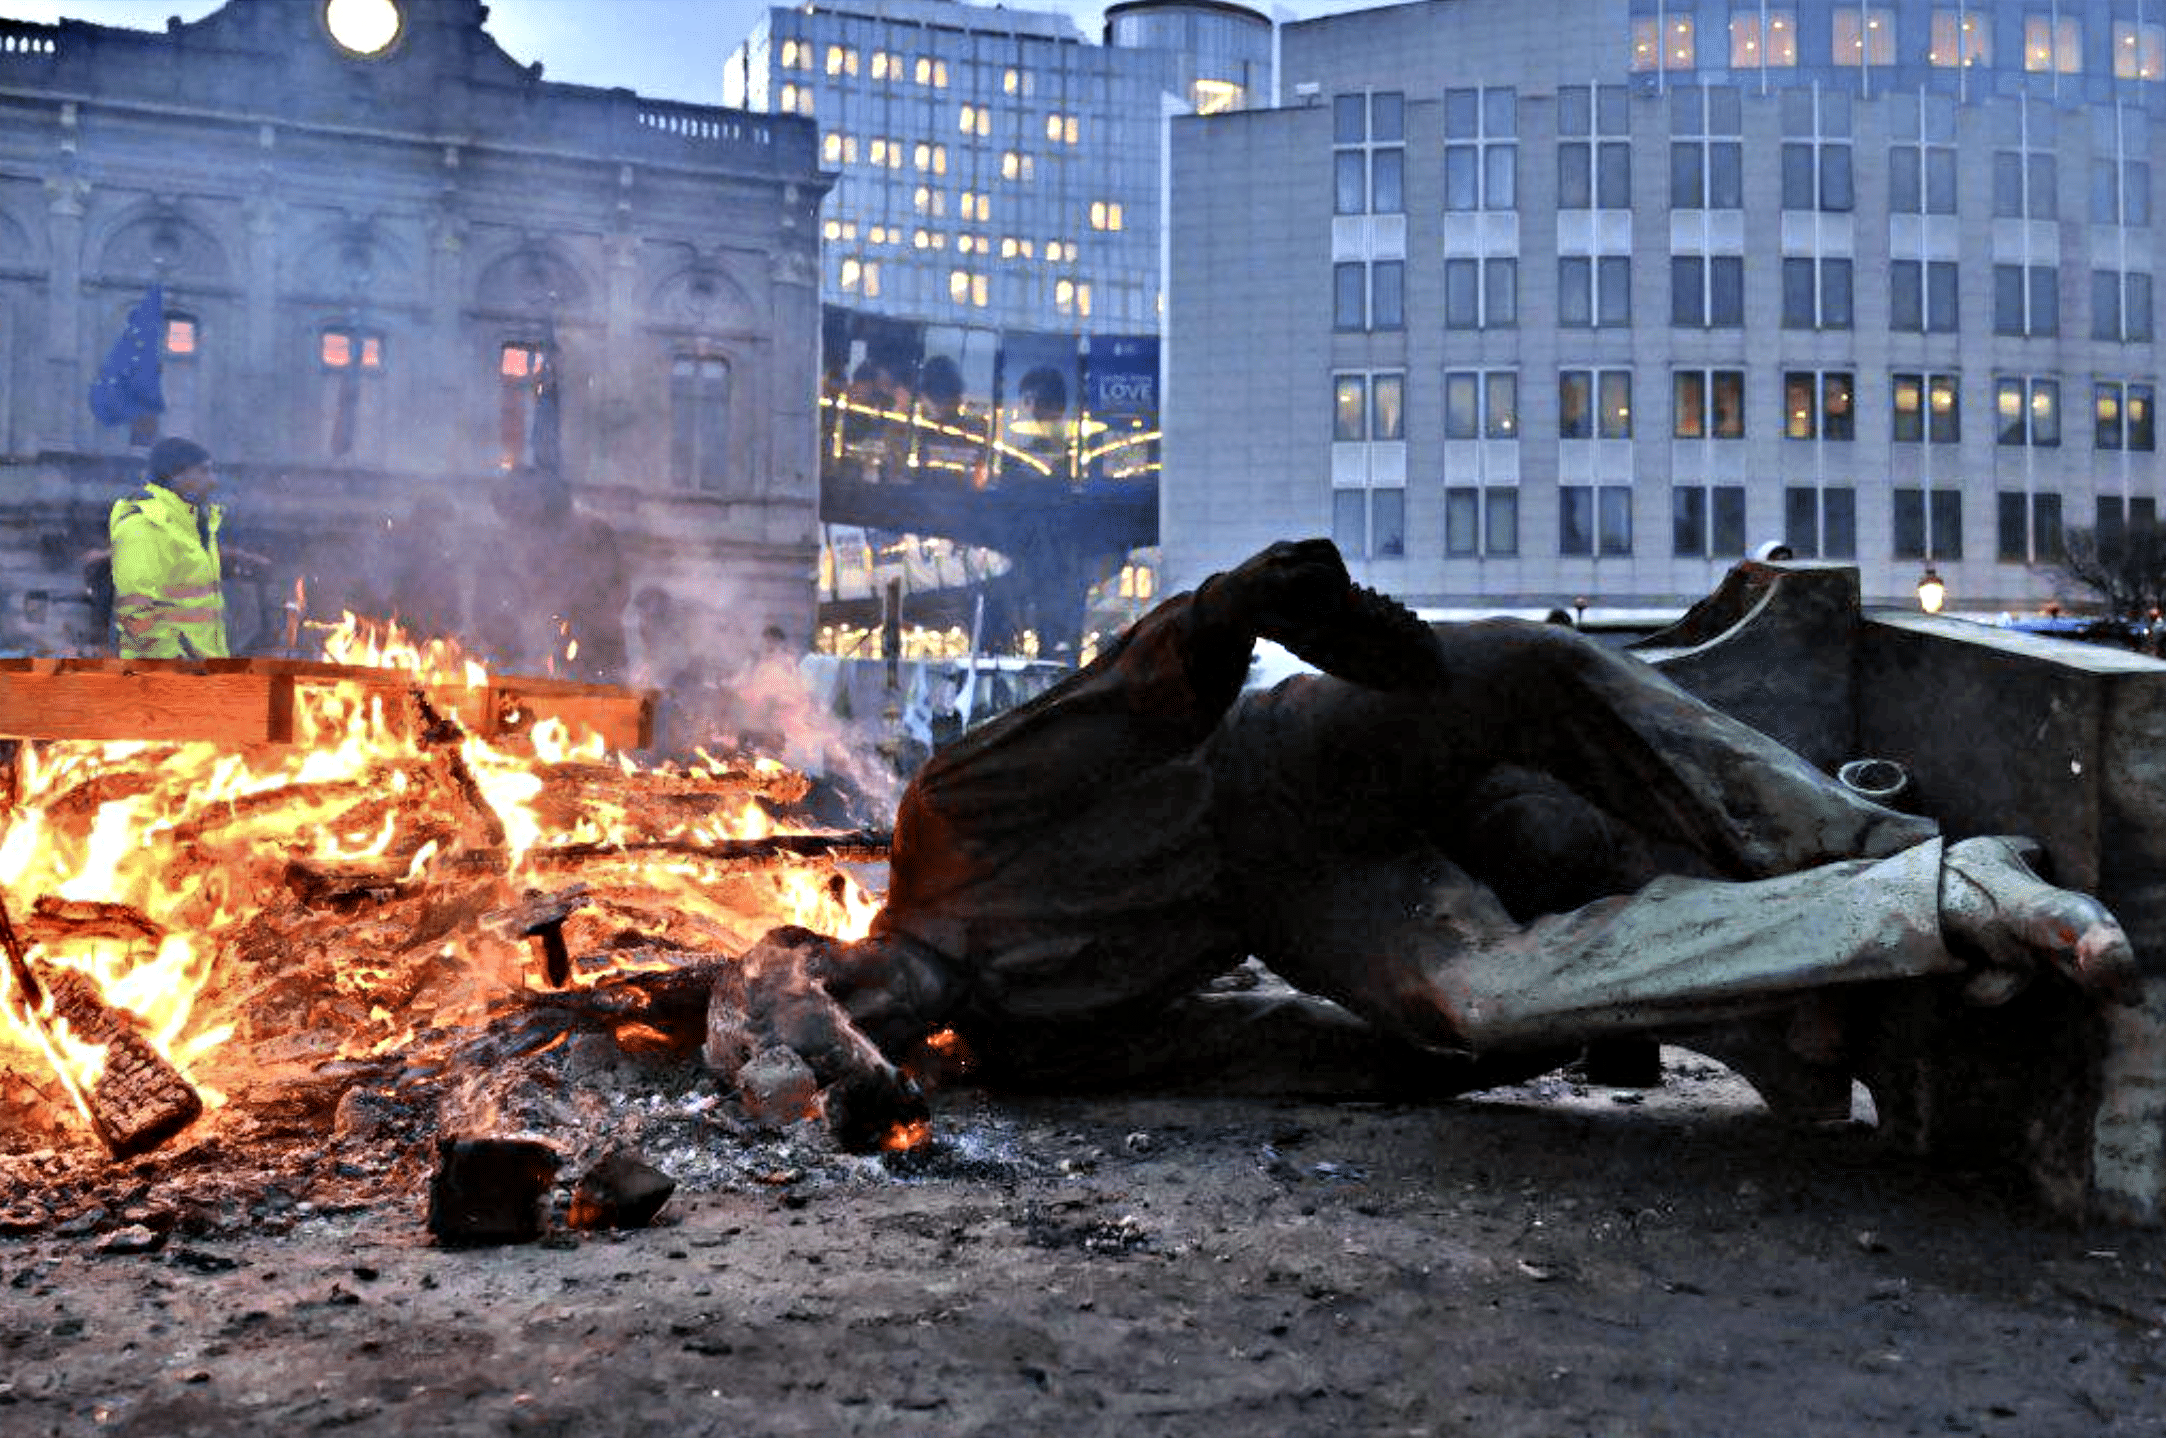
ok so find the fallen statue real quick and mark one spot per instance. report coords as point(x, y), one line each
point(1490, 843)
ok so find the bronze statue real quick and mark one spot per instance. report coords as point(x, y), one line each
point(1492, 842)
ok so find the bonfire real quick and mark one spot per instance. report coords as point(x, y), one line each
point(344, 946)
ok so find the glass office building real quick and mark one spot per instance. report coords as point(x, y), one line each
point(1533, 300)
point(994, 168)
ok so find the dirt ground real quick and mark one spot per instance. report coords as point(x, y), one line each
point(1549, 1260)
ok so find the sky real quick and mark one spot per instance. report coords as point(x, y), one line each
point(664, 49)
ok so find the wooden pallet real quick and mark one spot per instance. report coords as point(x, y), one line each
point(252, 701)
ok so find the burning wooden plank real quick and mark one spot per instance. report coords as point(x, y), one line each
point(256, 700)
point(136, 1100)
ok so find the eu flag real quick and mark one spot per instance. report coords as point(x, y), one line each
point(127, 386)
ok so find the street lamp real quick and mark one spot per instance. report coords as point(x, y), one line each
point(1931, 592)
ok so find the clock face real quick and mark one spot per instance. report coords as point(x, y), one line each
point(363, 27)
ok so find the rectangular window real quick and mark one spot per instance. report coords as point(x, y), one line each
point(1481, 404)
point(1821, 523)
point(2029, 528)
point(1387, 295)
point(1349, 407)
point(1481, 294)
point(2120, 305)
point(1594, 290)
point(1707, 523)
point(1922, 296)
point(1819, 404)
point(2027, 411)
point(1816, 175)
point(1926, 407)
point(1707, 291)
point(1480, 521)
point(1350, 296)
point(1594, 520)
point(2139, 50)
point(1708, 404)
point(1387, 406)
point(1863, 35)
point(1816, 294)
point(1921, 179)
point(2026, 300)
point(2053, 44)
point(1763, 40)
point(1921, 515)
point(1481, 153)
point(1369, 522)
point(2122, 416)
point(1614, 396)
point(1662, 43)
point(1368, 159)
point(1575, 404)
point(1960, 37)
point(699, 408)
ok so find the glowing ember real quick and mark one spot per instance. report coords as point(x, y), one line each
point(904, 1137)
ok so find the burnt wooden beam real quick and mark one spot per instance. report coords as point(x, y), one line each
point(541, 917)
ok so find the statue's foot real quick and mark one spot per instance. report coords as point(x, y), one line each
point(1992, 901)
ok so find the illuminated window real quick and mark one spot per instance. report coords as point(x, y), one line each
point(796, 55)
point(1105, 214)
point(886, 65)
point(932, 71)
point(1864, 35)
point(1819, 404)
point(973, 206)
point(1061, 129)
point(2053, 43)
point(930, 157)
point(796, 99)
point(1011, 81)
point(1707, 404)
point(180, 336)
point(838, 148)
point(861, 277)
point(1662, 42)
point(2139, 50)
point(351, 349)
point(519, 373)
point(2123, 414)
point(2028, 412)
point(1960, 38)
point(1481, 404)
point(967, 287)
point(1765, 41)
point(1015, 165)
point(841, 60)
point(976, 120)
point(1926, 409)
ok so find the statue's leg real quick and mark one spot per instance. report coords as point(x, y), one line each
point(1418, 946)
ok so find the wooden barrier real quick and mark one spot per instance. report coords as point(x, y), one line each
point(252, 701)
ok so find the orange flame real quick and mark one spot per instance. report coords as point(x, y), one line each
point(198, 839)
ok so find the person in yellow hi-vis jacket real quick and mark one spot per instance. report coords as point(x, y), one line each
point(167, 599)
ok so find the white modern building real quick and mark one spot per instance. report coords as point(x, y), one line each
point(1529, 300)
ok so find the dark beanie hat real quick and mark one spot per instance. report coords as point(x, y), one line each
point(171, 455)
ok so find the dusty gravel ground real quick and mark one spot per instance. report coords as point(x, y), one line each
point(1551, 1260)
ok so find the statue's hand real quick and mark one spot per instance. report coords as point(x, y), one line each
point(778, 996)
point(1993, 902)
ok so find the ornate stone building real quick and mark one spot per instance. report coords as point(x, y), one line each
point(380, 256)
